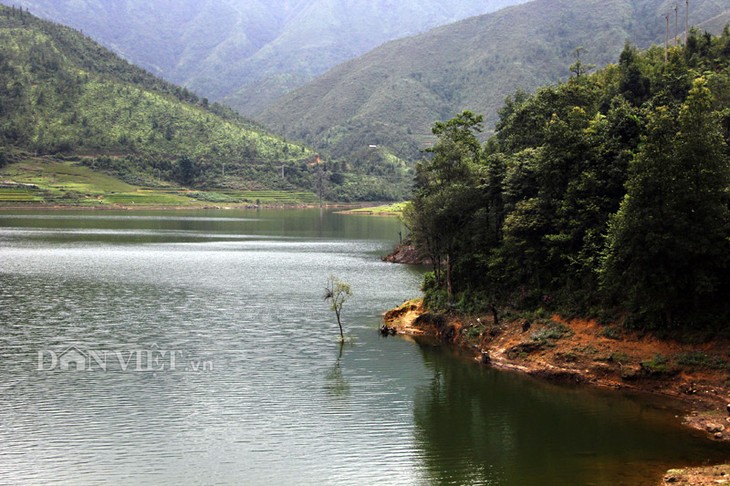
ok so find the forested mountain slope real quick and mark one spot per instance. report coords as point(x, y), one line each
point(392, 95)
point(62, 93)
point(249, 51)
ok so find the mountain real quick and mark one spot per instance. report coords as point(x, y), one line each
point(62, 94)
point(392, 95)
point(249, 52)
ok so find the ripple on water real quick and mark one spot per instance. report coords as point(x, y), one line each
point(262, 392)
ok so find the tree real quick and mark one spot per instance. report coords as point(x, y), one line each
point(578, 68)
point(634, 86)
point(337, 292)
point(667, 253)
point(445, 195)
point(186, 170)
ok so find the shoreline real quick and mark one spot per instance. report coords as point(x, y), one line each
point(125, 207)
point(583, 352)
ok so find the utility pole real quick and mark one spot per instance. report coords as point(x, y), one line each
point(666, 40)
point(676, 24)
point(686, 22)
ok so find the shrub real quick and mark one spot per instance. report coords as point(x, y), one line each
point(553, 331)
point(659, 365)
point(473, 332)
point(611, 333)
point(700, 360)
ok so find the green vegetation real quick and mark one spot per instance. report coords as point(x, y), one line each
point(249, 51)
point(71, 182)
point(552, 332)
point(702, 361)
point(658, 365)
point(18, 195)
point(395, 209)
point(607, 193)
point(611, 333)
point(391, 95)
point(63, 95)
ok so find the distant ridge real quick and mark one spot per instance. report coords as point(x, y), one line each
point(64, 96)
point(392, 95)
point(250, 52)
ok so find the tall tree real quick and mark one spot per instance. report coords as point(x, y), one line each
point(668, 246)
point(445, 193)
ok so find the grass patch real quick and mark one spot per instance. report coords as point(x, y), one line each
point(63, 176)
point(702, 361)
point(611, 333)
point(658, 365)
point(214, 197)
point(147, 198)
point(68, 182)
point(275, 197)
point(473, 332)
point(540, 339)
point(395, 209)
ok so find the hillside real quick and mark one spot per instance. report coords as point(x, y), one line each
point(64, 95)
point(392, 95)
point(249, 52)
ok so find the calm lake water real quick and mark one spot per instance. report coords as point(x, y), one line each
point(207, 356)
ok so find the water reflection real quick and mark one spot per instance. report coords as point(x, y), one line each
point(479, 426)
point(336, 384)
point(283, 403)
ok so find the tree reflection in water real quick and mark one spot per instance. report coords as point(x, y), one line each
point(476, 425)
point(336, 383)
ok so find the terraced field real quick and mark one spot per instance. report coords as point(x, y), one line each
point(276, 197)
point(19, 195)
point(68, 183)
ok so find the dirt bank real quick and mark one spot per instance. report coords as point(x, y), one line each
point(584, 351)
point(700, 476)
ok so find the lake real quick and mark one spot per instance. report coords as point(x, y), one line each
point(194, 347)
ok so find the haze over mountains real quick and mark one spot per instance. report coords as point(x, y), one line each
point(392, 95)
point(249, 52)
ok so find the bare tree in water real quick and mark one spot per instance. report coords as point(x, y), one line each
point(337, 292)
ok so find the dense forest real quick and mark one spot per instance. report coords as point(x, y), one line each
point(607, 195)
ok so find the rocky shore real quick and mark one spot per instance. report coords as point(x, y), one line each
point(407, 254)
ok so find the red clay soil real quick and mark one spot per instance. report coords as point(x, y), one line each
point(701, 476)
point(584, 351)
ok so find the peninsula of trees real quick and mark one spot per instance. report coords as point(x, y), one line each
point(607, 195)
